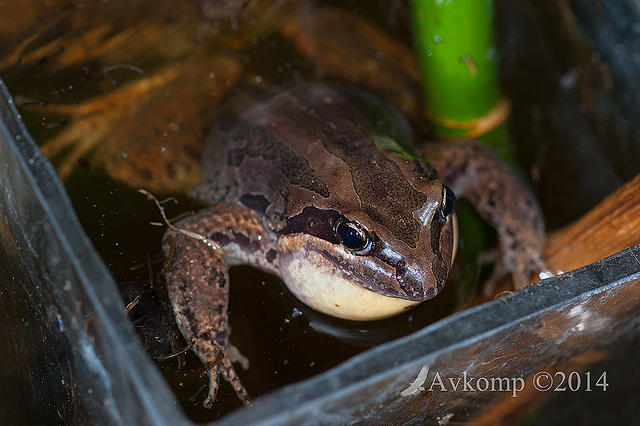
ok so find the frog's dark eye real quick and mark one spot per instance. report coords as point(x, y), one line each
point(448, 201)
point(352, 236)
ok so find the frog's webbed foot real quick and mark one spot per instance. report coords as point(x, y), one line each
point(94, 120)
point(476, 173)
point(138, 133)
point(80, 136)
point(223, 365)
point(198, 252)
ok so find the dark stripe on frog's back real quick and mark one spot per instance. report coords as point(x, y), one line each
point(262, 181)
point(384, 193)
point(263, 145)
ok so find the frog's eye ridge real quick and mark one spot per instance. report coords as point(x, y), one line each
point(448, 201)
point(352, 236)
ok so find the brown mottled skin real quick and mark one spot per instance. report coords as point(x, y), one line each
point(288, 171)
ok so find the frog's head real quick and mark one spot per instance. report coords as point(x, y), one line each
point(362, 265)
point(365, 227)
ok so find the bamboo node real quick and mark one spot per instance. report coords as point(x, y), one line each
point(477, 126)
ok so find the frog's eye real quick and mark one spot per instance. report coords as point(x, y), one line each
point(352, 236)
point(448, 200)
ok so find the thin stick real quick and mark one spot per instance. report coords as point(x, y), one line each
point(131, 305)
point(175, 354)
point(186, 232)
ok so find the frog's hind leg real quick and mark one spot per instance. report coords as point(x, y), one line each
point(198, 252)
point(229, 373)
point(473, 171)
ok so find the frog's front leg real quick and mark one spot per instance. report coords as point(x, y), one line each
point(474, 172)
point(197, 278)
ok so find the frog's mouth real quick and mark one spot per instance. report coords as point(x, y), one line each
point(322, 285)
point(334, 295)
point(326, 277)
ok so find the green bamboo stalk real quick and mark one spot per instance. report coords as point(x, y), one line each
point(455, 47)
point(454, 40)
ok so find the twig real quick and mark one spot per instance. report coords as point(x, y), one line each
point(131, 305)
point(186, 232)
point(175, 354)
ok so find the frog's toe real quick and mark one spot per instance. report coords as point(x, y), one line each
point(523, 271)
point(230, 375)
point(213, 386)
point(520, 279)
point(497, 274)
point(489, 256)
point(236, 356)
point(520, 271)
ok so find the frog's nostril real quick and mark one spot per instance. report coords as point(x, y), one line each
point(401, 272)
point(414, 281)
